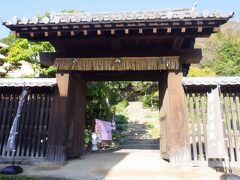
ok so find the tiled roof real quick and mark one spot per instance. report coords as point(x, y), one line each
point(208, 81)
point(87, 17)
point(29, 82)
point(187, 81)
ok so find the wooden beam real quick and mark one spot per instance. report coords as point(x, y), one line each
point(121, 76)
point(154, 30)
point(183, 30)
point(191, 57)
point(200, 29)
point(186, 56)
point(99, 32)
point(59, 33)
point(112, 31)
point(116, 44)
point(169, 30)
point(177, 44)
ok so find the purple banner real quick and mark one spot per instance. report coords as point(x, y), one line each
point(104, 128)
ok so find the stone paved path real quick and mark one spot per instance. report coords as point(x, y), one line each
point(138, 159)
point(138, 135)
point(124, 164)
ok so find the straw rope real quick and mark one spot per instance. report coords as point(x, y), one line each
point(118, 64)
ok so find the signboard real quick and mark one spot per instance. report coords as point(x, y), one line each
point(216, 147)
point(104, 128)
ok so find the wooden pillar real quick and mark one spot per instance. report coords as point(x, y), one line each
point(76, 119)
point(173, 119)
point(66, 129)
point(164, 126)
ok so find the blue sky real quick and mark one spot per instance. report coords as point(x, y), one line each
point(30, 8)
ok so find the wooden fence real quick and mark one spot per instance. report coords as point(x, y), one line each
point(33, 127)
point(33, 134)
point(197, 117)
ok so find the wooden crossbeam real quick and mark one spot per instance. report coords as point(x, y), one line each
point(59, 33)
point(31, 34)
point(183, 30)
point(169, 30)
point(200, 29)
point(112, 31)
point(186, 56)
point(177, 44)
point(154, 30)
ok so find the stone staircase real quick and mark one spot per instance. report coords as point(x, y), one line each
point(139, 138)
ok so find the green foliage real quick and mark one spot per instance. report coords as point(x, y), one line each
point(118, 135)
point(221, 50)
point(102, 97)
point(46, 14)
point(196, 72)
point(8, 40)
point(228, 62)
point(121, 106)
point(153, 129)
point(151, 100)
point(87, 137)
point(21, 49)
point(45, 71)
point(71, 11)
point(121, 119)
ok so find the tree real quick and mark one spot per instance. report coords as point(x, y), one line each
point(228, 62)
point(221, 51)
point(196, 72)
point(21, 49)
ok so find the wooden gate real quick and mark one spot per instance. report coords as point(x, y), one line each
point(33, 128)
point(197, 118)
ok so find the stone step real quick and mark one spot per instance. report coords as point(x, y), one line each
point(140, 146)
point(141, 141)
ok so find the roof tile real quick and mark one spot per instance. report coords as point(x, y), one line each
point(121, 16)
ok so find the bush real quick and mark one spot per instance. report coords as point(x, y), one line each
point(121, 119)
point(121, 106)
point(118, 135)
point(150, 100)
point(87, 137)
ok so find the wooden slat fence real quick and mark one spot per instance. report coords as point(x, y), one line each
point(197, 118)
point(33, 128)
